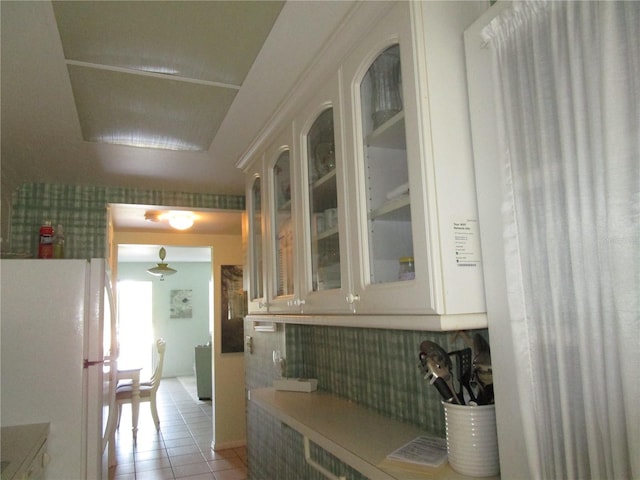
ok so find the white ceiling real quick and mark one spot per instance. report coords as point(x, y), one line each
point(149, 254)
point(131, 218)
point(159, 74)
point(48, 135)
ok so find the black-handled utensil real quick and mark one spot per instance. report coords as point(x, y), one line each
point(440, 365)
point(429, 366)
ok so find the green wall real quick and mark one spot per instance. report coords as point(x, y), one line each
point(82, 211)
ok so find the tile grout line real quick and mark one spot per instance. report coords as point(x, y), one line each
point(185, 407)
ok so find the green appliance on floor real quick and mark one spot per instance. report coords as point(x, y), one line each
point(203, 371)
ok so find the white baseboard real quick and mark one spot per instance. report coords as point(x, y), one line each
point(226, 445)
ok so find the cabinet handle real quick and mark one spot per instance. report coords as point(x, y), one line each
point(296, 303)
point(262, 304)
point(351, 298)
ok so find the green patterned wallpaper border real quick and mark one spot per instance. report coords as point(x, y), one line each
point(82, 211)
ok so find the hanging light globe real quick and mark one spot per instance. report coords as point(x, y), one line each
point(161, 269)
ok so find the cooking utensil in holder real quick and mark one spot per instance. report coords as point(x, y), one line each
point(462, 360)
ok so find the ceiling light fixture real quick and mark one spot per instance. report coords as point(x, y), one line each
point(178, 219)
point(181, 220)
point(161, 269)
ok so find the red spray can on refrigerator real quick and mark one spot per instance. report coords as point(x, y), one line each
point(45, 247)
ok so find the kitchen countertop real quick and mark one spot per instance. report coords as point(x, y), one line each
point(358, 436)
point(20, 444)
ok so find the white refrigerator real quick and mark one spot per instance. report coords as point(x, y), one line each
point(58, 350)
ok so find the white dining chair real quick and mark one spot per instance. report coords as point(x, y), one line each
point(148, 389)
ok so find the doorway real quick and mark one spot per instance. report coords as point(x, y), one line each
point(148, 309)
point(221, 233)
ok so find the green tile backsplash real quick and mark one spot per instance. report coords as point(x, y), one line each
point(82, 211)
point(276, 452)
point(377, 368)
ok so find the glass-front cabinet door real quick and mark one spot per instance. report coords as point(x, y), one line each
point(283, 267)
point(386, 173)
point(256, 244)
point(391, 272)
point(323, 204)
point(326, 268)
point(283, 225)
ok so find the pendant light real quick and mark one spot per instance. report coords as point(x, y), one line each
point(162, 268)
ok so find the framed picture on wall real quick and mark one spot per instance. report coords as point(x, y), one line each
point(181, 304)
point(233, 309)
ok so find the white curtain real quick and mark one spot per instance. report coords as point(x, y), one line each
point(568, 88)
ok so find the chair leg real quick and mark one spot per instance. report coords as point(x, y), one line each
point(154, 412)
point(119, 414)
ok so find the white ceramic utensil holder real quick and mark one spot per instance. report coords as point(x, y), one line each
point(472, 440)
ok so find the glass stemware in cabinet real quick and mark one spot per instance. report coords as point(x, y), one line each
point(283, 230)
point(323, 203)
point(257, 290)
point(386, 169)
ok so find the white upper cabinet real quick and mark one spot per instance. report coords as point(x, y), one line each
point(416, 245)
point(372, 203)
point(412, 194)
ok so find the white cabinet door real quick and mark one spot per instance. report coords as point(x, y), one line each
point(325, 281)
point(256, 240)
point(282, 268)
point(389, 198)
point(395, 194)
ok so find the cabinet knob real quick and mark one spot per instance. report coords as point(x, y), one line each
point(262, 304)
point(351, 298)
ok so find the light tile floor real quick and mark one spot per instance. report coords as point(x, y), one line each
point(182, 448)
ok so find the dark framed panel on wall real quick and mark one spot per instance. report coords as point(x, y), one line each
point(233, 309)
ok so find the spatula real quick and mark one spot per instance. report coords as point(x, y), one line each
point(482, 370)
point(463, 359)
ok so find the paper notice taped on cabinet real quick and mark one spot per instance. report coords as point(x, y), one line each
point(467, 243)
point(424, 450)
